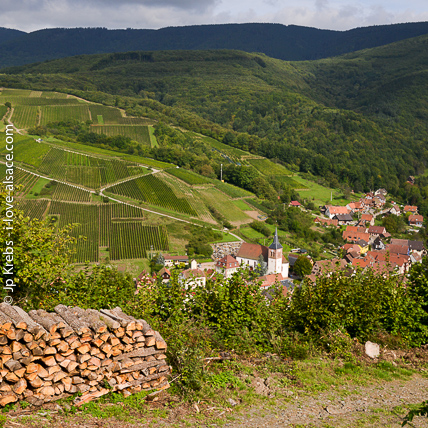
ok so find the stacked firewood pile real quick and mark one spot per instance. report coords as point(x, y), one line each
point(48, 356)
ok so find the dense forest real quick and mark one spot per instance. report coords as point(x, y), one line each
point(291, 43)
point(358, 120)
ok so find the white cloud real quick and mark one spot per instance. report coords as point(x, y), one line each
point(30, 15)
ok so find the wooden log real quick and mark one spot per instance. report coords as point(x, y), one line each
point(5, 321)
point(44, 320)
point(3, 340)
point(147, 330)
point(108, 321)
point(91, 318)
point(138, 367)
point(138, 353)
point(11, 334)
point(13, 365)
point(160, 343)
point(42, 372)
point(113, 316)
point(11, 377)
point(19, 386)
point(5, 387)
point(150, 341)
point(7, 399)
point(78, 325)
point(28, 337)
point(34, 328)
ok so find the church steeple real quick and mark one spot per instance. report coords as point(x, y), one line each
point(275, 244)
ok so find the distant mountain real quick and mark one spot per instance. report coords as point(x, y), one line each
point(291, 43)
point(7, 34)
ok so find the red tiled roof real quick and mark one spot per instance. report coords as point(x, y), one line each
point(193, 273)
point(269, 280)
point(397, 249)
point(176, 258)
point(295, 204)
point(355, 229)
point(252, 251)
point(377, 230)
point(410, 208)
point(355, 236)
point(361, 262)
point(415, 218)
point(338, 210)
point(326, 266)
point(366, 217)
point(227, 262)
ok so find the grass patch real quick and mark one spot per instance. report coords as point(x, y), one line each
point(241, 205)
point(36, 189)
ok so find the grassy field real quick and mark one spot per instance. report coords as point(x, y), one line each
point(224, 205)
point(266, 167)
point(321, 195)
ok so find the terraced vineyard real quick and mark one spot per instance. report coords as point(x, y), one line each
point(130, 240)
point(67, 193)
point(33, 208)
point(63, 113)
point(87, 218)
point(26, 150)
point(138, 133)
point(25, 116)
point(153, 191)
point(119, 227)
point(85, 170)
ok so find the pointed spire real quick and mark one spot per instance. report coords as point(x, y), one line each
point(275, 244)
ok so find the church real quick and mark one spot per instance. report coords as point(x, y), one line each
point(249, 255)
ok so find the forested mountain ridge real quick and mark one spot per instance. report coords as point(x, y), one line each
point(358, 119)
point(292, 42)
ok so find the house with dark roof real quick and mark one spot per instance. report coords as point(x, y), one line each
point(175, 260)
point(378, 244)
point(332, 211)
point(343, 219)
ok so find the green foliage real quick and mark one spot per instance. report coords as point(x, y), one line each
point(39, 255)
point(260, 227)
point(420, 410)
point(360, 306)
point(302, 266)
point(94, 287)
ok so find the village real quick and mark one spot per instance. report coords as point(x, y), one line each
point(367, 246)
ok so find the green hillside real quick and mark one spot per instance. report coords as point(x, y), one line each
point(356, 119)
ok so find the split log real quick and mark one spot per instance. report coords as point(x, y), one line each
point(36, 329)
point(79, 326)
point(10, 312)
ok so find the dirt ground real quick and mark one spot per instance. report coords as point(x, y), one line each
point(269, 399)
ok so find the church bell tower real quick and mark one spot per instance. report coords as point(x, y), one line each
point(275, 256)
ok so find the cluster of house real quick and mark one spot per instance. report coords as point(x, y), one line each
point(366, 210)
point(271, 260)
point(367, 246)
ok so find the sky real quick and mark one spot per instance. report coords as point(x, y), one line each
point(31, 15)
